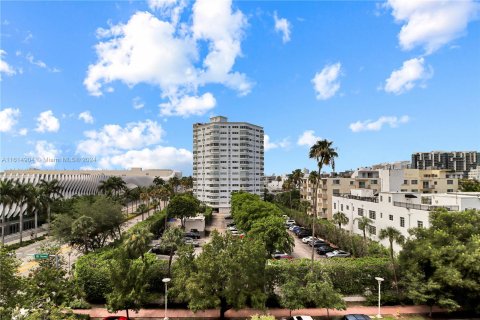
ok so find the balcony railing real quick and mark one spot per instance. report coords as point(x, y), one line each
point(349, 196)
point(425, 207)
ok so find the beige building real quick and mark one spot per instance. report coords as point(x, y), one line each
point(376, 180)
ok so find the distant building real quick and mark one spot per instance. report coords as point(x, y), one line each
point(474, 174)
point(227, 157)
point(401, 210)
point(459, 161)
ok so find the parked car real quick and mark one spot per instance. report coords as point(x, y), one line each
point(303, 233)
point(317, 243)
point(356, 317)
point(309, 242)
point(192, 234)
point(232, 224)
point(115, 318)
point(297, 230)
point(307, 239)
point(324, 250)
point(159, 249)
point(281, 255)
point(191, 241)
point(231, 228)
point(290, 222)
point(337, 254)
point(300, 318)
point(293, 226)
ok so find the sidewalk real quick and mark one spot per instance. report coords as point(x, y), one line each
point(244, 313)
point(15, 238)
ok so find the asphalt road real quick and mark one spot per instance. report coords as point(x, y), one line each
point(69, 254)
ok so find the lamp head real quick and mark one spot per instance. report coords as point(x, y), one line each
point(379, 279)
point(166, 280)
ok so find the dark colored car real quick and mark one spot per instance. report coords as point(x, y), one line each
point(231, 224)
point(192, 234)
point(324, 249)
point(318, 243)
point(355, 317)
point(304, 233)
point(297, 231)
point(158, 249)
point(115, 318)
point(281, 255)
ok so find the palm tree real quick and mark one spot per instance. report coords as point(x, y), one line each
point(363, 224)
point(158, 181)
point(137, 242)
point(32, 200)
point(323, 152)
point(392, 235)
point(164, 195)
point(341, 219)
point(7, 198)
point(174, 182)
point(106, 187)
point(288, 186)
point(143, 208)
point(172, 238)
point(50, 191)
point(296, 177)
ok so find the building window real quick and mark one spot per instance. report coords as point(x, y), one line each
point(374, 182)
point(352, 183)
point(381, 198)
point(449, 181)
point(372, 230)
point(341, 207)
point(449, 190)
point(360, 212)
point(405, 181)
point(389, 199)
point(402, 222)
point(420, 224)
point(372, 214)
point(334, 206)
point(390, 217)
point(414, 181)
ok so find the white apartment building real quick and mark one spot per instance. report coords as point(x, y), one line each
point(227, 157)
point(400, 210)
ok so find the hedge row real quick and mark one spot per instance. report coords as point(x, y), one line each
point(354, 276)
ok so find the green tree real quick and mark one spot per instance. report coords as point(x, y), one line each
point(7, 199)
point(107, 218)
point(171, 240)
point(137, 241)
point(440, 264)
point(10, 283)
point(50, 190)
point(292, 293)
point(130, 279)
point(320, 292)
point(174, 182)
point(393, 235)
point(142, 209)
point(83, 229)
point(159, 181)
point(296, 176)
point(323, 152)
point(363, 224)
point(33, 202)
point(183, 206)
point(227, 274)
point(341, 219)
point(469, 185)
point(271, 231)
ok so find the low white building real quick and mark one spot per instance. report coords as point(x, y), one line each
point(400, 210)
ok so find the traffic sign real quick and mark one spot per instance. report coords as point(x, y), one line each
point(40, 256)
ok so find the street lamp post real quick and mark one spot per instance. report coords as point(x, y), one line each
point(166, 281)
point(379, 294)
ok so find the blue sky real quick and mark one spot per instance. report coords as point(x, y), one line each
point(123, 82)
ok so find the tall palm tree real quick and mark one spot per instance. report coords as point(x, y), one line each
point(288, 186)
point(296, 177)
point(323, 152)
point(341, 219)
point(7, 198)
point(143, 208)
point(51, 190)
point(106, 187)
point(20, 194)
point(159, 181)
point(164, 195)
point(363, 224)
point(34, 202)
point(137, 242)
point(393, 235)
point(174, 182)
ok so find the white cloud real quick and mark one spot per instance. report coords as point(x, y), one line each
point(39, 63)
point(155, 158)
point(23, 132)
point(269, 145)
point(46, 122)
point(307, 138)
point(410, 74)
point(45, 154)
point(171, 9)
point(8, 119)
point(370, 125)
point(164, 54)
point(326, 83)
point(86, 116)
point(283, 26)
point(187, 105)
point(138, 103)
point(432, 24)
point(112, 138)
point(4, 66)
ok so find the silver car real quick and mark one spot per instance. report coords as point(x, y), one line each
point(338, 254)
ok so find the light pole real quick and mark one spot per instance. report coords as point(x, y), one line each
point(166, 281)
point(379, 295)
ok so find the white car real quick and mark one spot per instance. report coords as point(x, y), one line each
point(337, 254)
point(308, 239)
point(191, 241)
point(290, 222)
point(232, 228)
point(300, 318)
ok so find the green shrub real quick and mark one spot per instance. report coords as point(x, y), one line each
point(208, 213)
point(79, 304)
